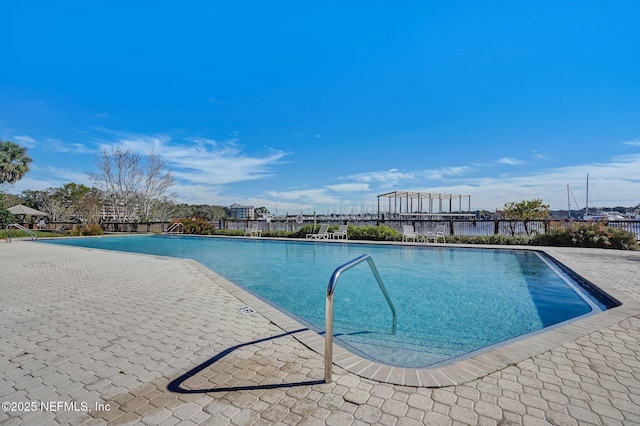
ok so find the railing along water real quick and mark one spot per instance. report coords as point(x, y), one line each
point(328, 345)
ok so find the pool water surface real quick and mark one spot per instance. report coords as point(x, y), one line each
point(450, 301)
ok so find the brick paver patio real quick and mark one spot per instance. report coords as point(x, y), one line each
point(95, 337)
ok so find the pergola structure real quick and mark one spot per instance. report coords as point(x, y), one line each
point(413, 203)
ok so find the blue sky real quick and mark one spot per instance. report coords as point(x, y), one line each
point(325, 105)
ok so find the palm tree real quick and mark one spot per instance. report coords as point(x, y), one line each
point(14, 162)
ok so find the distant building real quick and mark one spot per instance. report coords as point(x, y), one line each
point(109, 213)
point(242, 212)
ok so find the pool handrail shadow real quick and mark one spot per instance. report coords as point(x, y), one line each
point(176, 384)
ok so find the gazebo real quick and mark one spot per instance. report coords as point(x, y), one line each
point(22, 212)
point(428, 205)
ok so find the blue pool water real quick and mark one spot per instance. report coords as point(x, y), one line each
point(450, 301)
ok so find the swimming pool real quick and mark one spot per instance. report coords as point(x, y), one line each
point(450, 301)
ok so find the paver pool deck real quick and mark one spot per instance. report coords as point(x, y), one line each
point(95, 337)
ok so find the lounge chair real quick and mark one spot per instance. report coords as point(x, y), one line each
point(340, 233)
point(408, 233)
point(253, 231)
point(438, 233)
point(322, 233)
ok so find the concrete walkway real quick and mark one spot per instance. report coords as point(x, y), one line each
point(95, 337)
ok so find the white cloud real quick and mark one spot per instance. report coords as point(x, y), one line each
point(205, 161)
point(510, 161)
point(66, 176)
point(317, 196)
point(48, 177)
point(201, 194)
point(537, 155)
point(73, 148)
point(25, 140)
point(387, 177)
point(444, 173)
point(207, 168)
point(349, 187)
point(616, 182)
point(393, 178)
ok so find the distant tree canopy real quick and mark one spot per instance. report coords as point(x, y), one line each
point(262, 212)
point(203, 211)
point(525, 210)
point(71, 202)
point(132, 185)
point(5, 215)
point(14, 162)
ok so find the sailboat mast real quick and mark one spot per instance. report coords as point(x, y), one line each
point(568, 201)
point(587, 208)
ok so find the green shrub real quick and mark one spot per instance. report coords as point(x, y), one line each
point(198, 226)
point(489, 239)
point(582, 235)
point(228, 232)
point(597, 235)
point(374, 233)
point(87, 230)
point(6, 217)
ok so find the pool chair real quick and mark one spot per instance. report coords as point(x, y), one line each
point(438, 233)
point(340, 233)
point(253, 231)
point(408, 233)
point(322, 233)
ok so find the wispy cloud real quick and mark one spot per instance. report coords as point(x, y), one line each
point(349, 187)
point(314, 136)
point(445, 172)
point(317, 196)
point(25, 140)
point(205, 161)
point(394, 177)
point(41, 178)
point(613, 182)
point(202, 194)
point(635, 142)
point(536, 155)
point(72, 148)
point(510, 161)
point(64, 176)
point(387, 177)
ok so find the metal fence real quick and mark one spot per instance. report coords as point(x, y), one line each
point(463, 227)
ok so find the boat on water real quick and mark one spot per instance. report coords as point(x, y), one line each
point(608, 216)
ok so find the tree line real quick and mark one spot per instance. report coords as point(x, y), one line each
point(126, 187)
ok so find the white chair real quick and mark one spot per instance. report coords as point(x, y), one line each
point(439, 233)
point(253, 231)
point(408, 233)
point(322, 233)
point(340, 233)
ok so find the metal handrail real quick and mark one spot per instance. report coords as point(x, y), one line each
point(20, 227)
point(328, 342)
point(176, 228)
